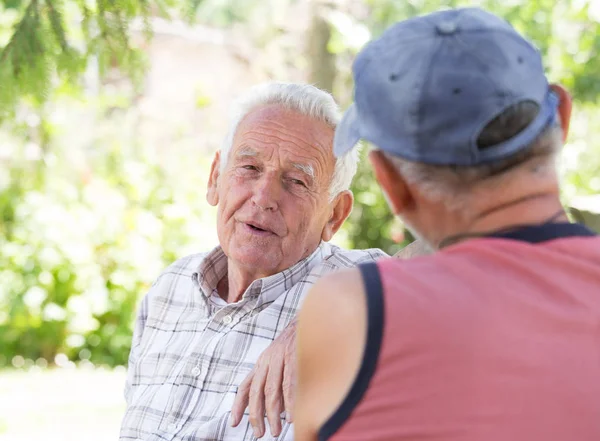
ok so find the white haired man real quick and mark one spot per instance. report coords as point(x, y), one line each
point(221, 323)
point(495, 336)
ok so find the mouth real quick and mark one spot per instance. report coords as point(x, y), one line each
point(258, 228)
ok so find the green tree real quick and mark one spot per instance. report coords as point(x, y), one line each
point(80, 241)
point(48, 44)
point(44, 43)
point(86, 222)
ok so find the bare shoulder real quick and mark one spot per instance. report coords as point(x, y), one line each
point(342, 282)
point(342, 291)
point(331, 338)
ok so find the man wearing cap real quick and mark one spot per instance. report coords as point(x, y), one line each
point(496, 335)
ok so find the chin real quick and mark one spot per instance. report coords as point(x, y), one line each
point(262, 261)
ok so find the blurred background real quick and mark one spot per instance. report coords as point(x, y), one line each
point(110, 113)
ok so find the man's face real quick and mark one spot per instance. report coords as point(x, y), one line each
point(273, 195)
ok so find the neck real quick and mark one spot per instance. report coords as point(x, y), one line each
point(530, 209)
point(526, 196)
point(232, 287)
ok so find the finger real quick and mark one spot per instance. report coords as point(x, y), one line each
point(241, 400)
point(256, 401)
point(273, 395)
point(289, 387)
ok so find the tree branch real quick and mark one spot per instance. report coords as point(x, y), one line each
point(31, 8)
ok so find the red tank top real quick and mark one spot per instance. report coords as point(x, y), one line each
point(493, 339)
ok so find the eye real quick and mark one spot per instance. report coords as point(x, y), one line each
point(250, 167)
point(298, 182)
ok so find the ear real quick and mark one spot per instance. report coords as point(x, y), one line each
point(397, 193)
point(212, 195)
point(342, 206)
point(565, 105)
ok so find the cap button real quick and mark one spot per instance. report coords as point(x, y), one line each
point(447, 27)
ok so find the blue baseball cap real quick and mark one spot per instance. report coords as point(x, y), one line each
point(428, 86)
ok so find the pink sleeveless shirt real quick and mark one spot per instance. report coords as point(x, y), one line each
point(493, 339)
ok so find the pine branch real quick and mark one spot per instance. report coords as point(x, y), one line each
point(57, 25)
point(40, 51)
point(21, 27)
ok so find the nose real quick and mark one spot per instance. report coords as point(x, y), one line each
point(266, 192)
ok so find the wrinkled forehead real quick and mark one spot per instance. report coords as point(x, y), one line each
point(297, 137)
point(291, 125)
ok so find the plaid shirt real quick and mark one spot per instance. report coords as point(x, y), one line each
point(191, 349)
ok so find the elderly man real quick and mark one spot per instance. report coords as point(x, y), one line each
point(496, 335)
point(281, 196)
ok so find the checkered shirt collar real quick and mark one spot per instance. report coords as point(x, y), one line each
point(214, 267)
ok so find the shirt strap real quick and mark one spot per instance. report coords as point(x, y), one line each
point(375, 317)
point(545, 232)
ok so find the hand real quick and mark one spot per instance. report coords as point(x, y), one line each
point(270, 384)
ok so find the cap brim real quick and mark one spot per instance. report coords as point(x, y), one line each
point(347, 134)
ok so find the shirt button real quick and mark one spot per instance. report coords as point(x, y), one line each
point(172, 427)
point(227, 319)
point(196, 371)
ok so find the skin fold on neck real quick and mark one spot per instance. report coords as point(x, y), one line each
point(511, 207)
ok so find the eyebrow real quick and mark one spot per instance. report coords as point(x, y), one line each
point(306, 168)
point(246, 151)
point(250, 152)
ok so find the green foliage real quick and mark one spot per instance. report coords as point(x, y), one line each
point(89, 217)
point(82, 238)
point(371, 223)
point(40, 47)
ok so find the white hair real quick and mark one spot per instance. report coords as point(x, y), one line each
point(302, 98)
point(454, 184)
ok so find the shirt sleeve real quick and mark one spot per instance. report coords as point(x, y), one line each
point(138, 331)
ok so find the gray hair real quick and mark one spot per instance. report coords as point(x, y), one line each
point(452, 184)
point(306, 100)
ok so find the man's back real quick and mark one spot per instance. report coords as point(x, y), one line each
point(492, 339)
point(489, 340)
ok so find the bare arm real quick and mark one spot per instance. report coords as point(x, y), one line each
point(331, 339)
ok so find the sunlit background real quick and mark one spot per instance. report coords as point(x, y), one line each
point(103, 166)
